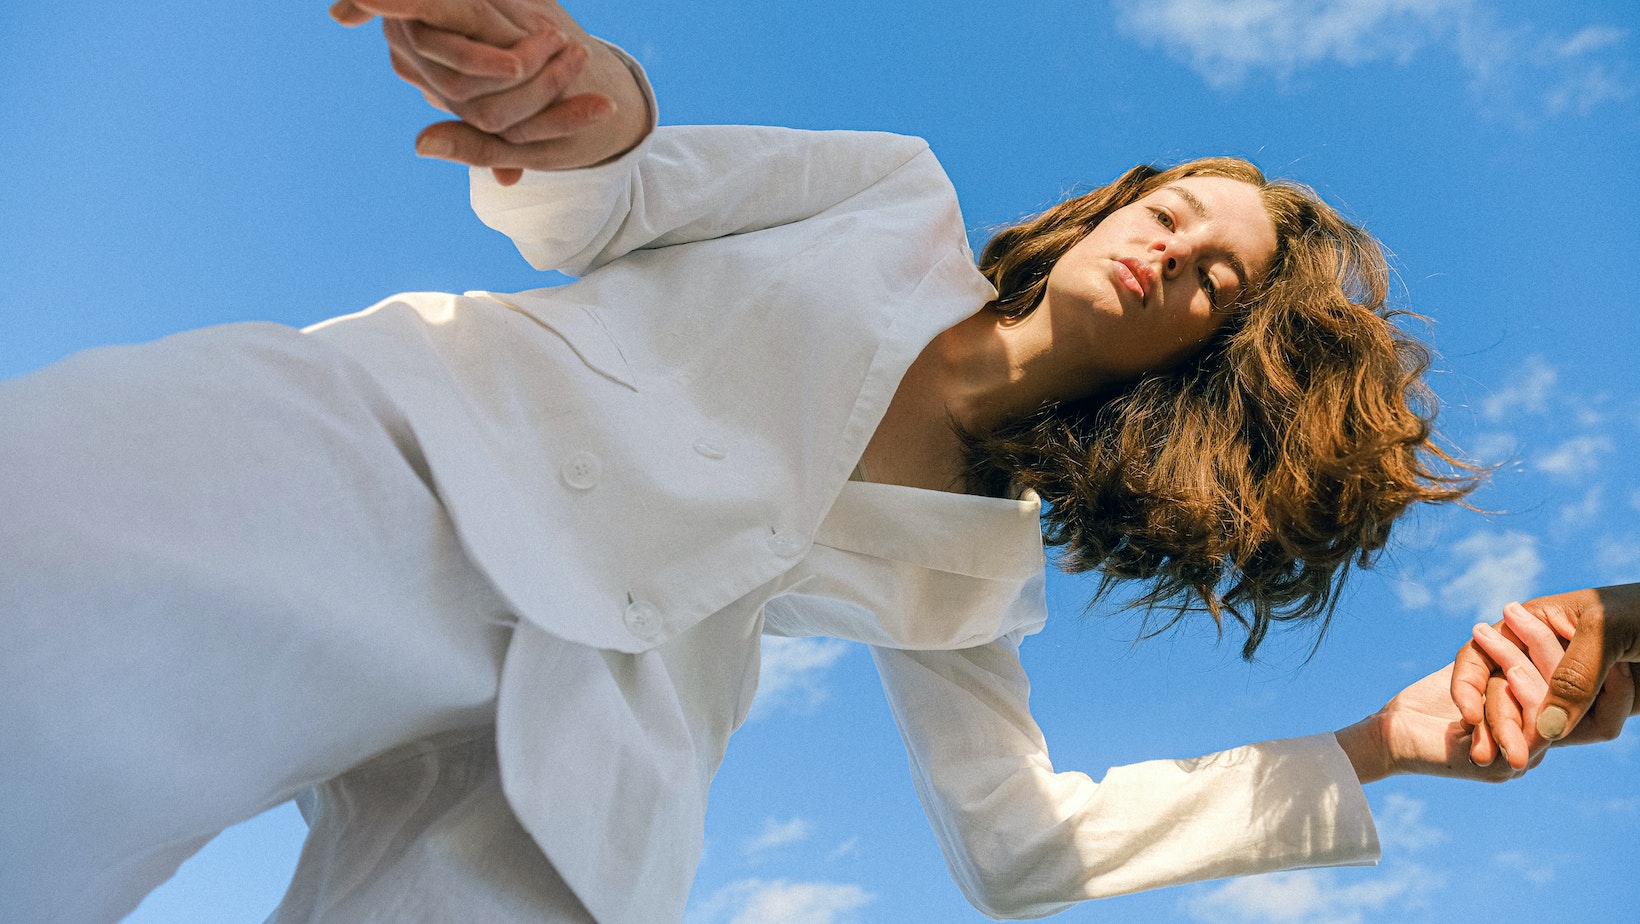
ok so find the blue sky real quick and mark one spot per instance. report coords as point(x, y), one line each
point(178, 163)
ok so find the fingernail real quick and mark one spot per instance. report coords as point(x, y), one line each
point(1552, 723)
point(434, 146)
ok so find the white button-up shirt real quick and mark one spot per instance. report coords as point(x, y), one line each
point(651, 466)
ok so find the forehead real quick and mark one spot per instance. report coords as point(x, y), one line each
point(1232, 211)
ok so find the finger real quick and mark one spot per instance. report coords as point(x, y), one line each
point(1528, 688)
point(1482, 749)
point(498, 112)
point(507, 176)
point(1503, 719)
point(1542, 643)
point(1575, 681)
point(1470, 669)
point(1605, 719)
point(461, 54)
point(563, 119)
point(346, 13)
point(409, 74)
point(429, 76)
point(476, 19)
point(464, 144)
point(1503, 652)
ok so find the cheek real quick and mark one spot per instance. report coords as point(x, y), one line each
point(1182, 335)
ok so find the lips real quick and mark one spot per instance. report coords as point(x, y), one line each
point(1135, 276)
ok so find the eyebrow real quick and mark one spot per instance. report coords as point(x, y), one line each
point(1200, 208)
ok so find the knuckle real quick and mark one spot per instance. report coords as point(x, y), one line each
point(518, 134)
point(485, 117)
point(459, 88)
point(1572, 680)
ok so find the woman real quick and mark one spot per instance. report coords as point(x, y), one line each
point(485, 575)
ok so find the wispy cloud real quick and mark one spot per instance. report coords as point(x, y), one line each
point(1580, 513)
point(1401, 825)
point(847, 848)
point(1490, 570)
point(1534, 869)
point(793, 672)
point(1316, 897)
point(1527, 390)
point(778, 834)
point(1618, 559)
point(1576, 458)
point(1226, 40)
point(778, 901)
point(1476, 577)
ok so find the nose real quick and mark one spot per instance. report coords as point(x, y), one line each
point(1173, 254)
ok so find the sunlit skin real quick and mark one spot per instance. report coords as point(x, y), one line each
point(1151, 283)
point(1144, 289)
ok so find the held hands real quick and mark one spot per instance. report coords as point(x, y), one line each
point(1520, 692)
point(1419, 731)
point(532, 90)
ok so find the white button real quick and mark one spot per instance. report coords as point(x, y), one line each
point(786, 544)
point(643, 620)
point(709, 450)
point(581, 471)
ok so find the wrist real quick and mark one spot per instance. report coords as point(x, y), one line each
point(1364, 744)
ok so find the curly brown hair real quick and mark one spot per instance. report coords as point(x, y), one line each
point(1248, 479)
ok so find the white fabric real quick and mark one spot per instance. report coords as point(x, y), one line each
point(640, 467)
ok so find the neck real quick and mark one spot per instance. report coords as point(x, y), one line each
point(978, 375)
point(992, 370)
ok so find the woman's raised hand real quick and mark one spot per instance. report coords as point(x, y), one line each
point(532, 89)
point(1520, 691)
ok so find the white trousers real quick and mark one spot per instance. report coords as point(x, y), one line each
point(224, 579)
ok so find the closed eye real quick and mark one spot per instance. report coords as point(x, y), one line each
point(1211, 289)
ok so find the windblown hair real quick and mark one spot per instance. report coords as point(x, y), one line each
point(1248, 479)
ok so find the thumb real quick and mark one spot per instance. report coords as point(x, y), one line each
point(344, 12)
point(1575, 682)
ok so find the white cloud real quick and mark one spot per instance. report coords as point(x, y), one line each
point(1413, 594)
point(1400, 821)
point(1316, 897)
point(1533, 869)
point(1528, 390)
point(1490, 570)
point(1573, 517)
point(847, 848)
point(758, 901)
point(778, 834)
point(1591, 39)
point(1225, 40)
point(1492, 447)
point(793, 672)
point(1618, 559)
point(1575, 458)
point(1625, 806)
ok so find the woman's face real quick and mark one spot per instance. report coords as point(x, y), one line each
point(1151, 283)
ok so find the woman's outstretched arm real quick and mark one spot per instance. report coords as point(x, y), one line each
point(1024, 839)
point(532, 89)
